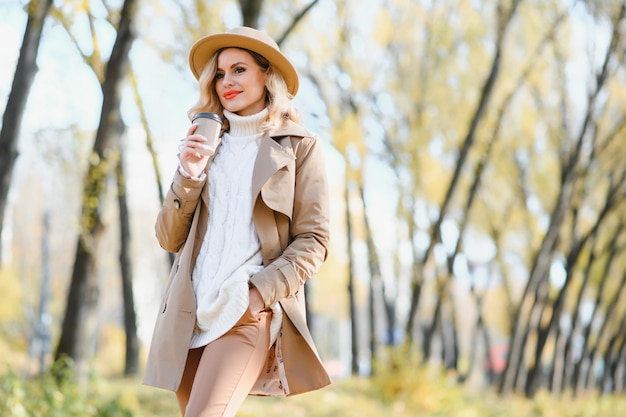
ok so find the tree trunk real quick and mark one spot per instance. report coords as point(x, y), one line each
point(41, 338)
point(618, 364)
point(83, 294)
point(22, 81)
point(250, 11)
point(354, 361)
point(375, 283)
point(417, 274)
point(449, 335)
point(131, 364)
point(611, 311)
point(608, 381)
point(533, 306)
point(480, 333)
point(430, 329)
point(568, 350)
point(390, 314)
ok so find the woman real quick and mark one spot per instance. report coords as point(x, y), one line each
point(249, 224)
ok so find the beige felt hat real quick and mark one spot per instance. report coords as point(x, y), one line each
point(246, 38)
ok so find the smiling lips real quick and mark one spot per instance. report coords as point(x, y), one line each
point(229, 95)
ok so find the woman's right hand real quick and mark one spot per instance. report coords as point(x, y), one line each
point(194, 152)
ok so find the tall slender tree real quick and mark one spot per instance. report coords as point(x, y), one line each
point(131, 363)
point(82, 298)
point(22, 81)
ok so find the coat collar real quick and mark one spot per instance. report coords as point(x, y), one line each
point(291, 128)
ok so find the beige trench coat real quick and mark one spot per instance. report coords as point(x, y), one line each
point(291, 217)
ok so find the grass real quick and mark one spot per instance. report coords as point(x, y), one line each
point(432, 397)
point(422, 395)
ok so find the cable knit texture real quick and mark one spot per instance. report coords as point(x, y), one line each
point(231, 251)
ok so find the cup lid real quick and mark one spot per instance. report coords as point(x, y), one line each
point(208, 115)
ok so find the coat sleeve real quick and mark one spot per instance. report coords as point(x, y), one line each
point(309, 228)
point(174, 219)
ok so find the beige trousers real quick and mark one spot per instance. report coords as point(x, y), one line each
point(218, 377)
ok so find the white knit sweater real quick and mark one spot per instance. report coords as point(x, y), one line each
point(230, 253)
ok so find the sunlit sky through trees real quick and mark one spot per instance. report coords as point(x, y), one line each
point(65, 93)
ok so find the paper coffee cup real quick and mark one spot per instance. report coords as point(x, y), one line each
point(209, 126)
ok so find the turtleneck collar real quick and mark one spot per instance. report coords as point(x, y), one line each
point(241, 126)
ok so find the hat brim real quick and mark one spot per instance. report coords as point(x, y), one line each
point(205, 47)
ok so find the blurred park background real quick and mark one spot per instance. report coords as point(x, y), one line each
point(476, 155)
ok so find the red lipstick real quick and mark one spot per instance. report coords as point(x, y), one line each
point(231, 94)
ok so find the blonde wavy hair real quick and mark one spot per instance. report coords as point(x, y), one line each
point(277, 97)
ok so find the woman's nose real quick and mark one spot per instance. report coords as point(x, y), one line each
point(227, 79)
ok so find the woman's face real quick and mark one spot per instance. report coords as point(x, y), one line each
point(240, 82)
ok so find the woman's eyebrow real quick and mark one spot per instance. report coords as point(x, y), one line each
point(234, 65)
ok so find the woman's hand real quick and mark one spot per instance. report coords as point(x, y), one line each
point(194, 152)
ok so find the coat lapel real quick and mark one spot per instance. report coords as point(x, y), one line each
point(272, 157)
point(272, 190)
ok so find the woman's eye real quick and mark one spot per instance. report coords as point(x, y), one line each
point(239, 69)
point(219, 76)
